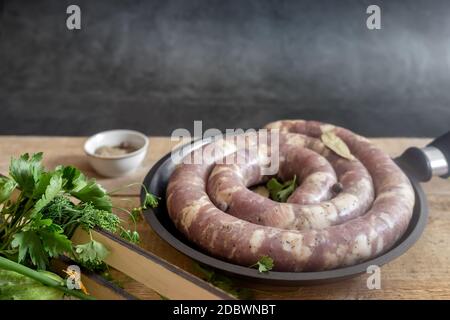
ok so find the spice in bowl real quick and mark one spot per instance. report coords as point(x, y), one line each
point(114, 151)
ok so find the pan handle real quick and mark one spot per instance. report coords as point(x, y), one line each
point(432, 160)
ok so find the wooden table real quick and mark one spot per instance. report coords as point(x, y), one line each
point(422, 273)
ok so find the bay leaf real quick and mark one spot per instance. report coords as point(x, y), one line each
point(336, 144)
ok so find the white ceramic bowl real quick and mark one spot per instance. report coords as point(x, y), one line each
point(119, 165)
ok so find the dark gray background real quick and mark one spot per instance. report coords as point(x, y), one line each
point(158, 65)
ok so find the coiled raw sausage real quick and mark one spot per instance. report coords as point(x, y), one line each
point(316, 230)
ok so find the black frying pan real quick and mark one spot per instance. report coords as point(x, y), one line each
point(419, 165)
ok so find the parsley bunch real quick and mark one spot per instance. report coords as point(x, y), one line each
point(38, 224)
point(39, 212)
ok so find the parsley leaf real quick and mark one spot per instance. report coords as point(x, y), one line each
point(91, 252)
point(41, 185)
point(7, 186)
point(94, 193)
point(76, 183)
point(54, 186)
point(264, 264)
point(26, 171)
point(42, 240)
point(73, 179)
point(39, 222)
point(54, 241)
point(281, 192)
point(30, 244)
point(288, 189)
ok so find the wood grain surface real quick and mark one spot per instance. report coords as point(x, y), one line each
point(422, 273)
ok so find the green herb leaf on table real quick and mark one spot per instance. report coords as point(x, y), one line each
point(94, 193)
point(44, 239)
point(336, 144)
point(55, 242)
point(7, 187)
point(86, 190)
point(53, 188)
point(26, 171)
point(135, 214)
point(91, 252)
point(150, 201)
point(41, 185)
point(30, 244)
point(73, 179)
point(264, 264)
point(131, 236)
point(39, 221)
point(281, 191)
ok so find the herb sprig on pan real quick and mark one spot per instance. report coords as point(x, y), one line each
point(281, 191)
point(264, 264)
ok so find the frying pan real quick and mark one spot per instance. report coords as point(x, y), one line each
point(418, 164)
